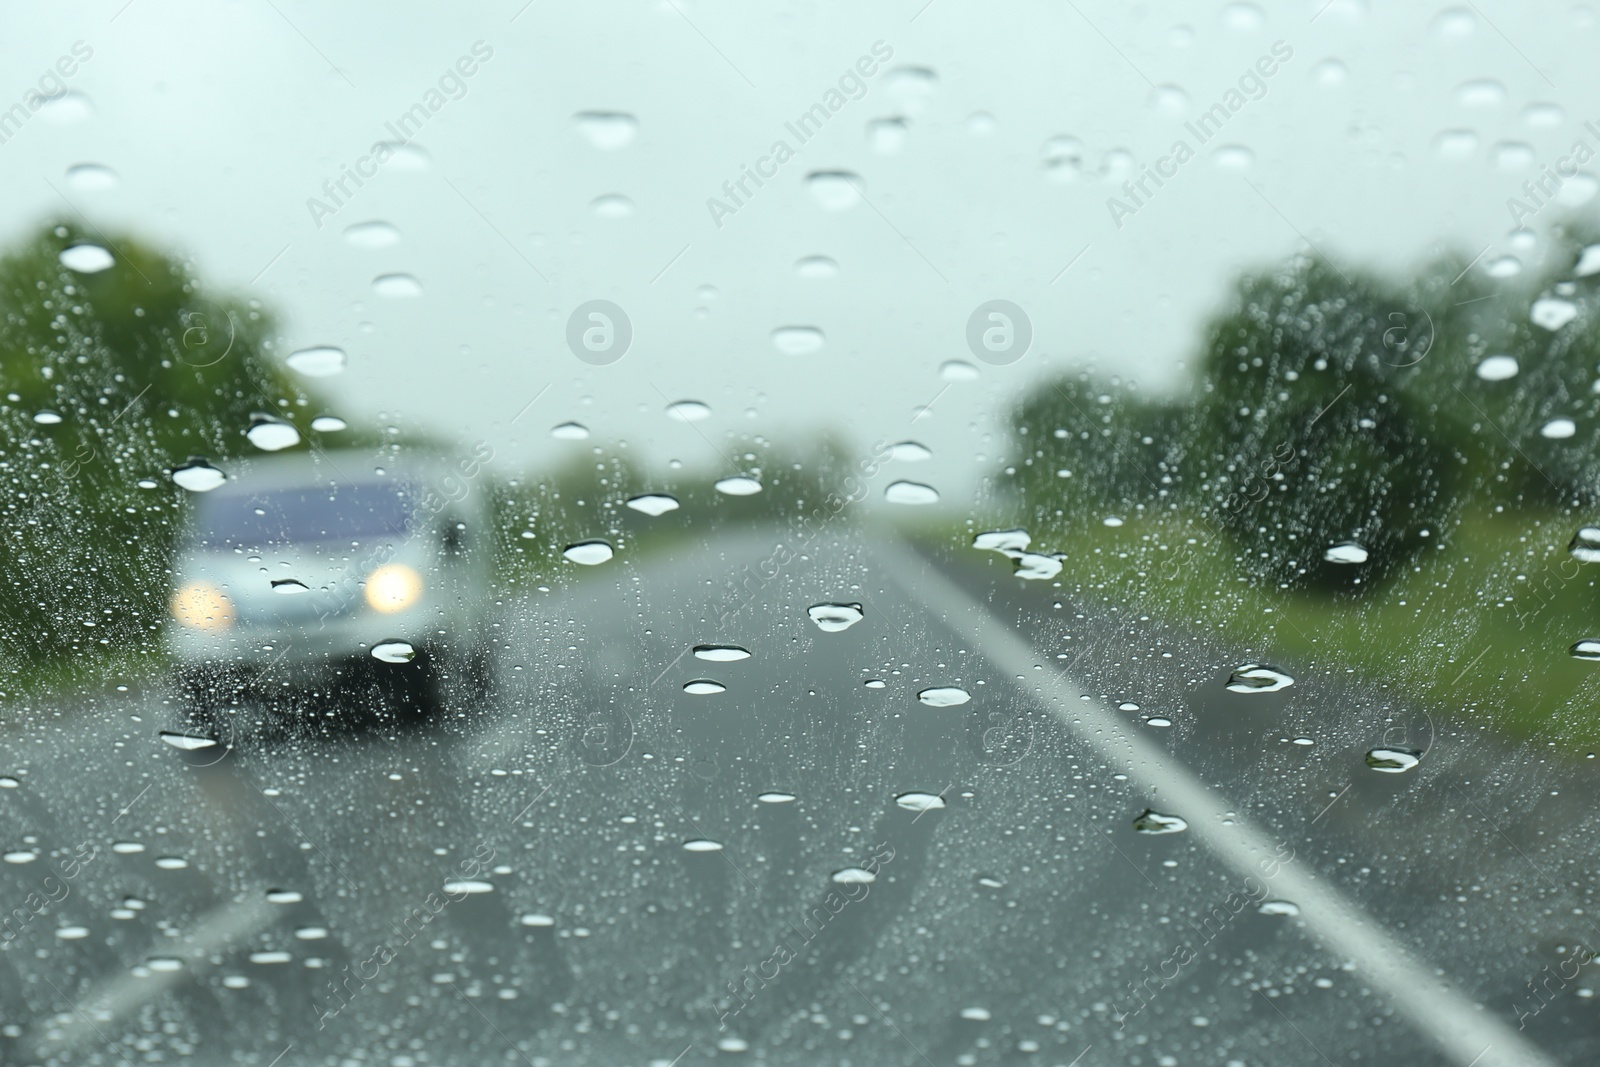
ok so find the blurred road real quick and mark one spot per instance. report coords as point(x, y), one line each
point(512, 882)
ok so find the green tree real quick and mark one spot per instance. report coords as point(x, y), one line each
point(110, 378)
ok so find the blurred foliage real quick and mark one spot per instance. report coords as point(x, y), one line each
point(143, 369)
point(1334, 406)
point(1330, 405)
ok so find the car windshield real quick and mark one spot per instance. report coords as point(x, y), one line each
point(654, 533)
point(286, 516)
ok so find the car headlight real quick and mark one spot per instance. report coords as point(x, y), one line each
point(393, 587)
point(201, 606)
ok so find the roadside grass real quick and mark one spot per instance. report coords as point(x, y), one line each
point(1478, 629)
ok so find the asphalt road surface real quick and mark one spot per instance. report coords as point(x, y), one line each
point(595, 865)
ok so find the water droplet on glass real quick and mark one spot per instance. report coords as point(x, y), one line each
point(1036, 566)
point(776, 798)
point(270, 434)
point(1503, 267)
point(373, 234)
point(67, 107)
point(653, 504)
point(721, 653)
point(912, 87)
point(72, 933)
point(311, 933)
point(1558, 429)
point(322, 361)
point(289, 586)
point(738, 485)
point(1588, 262)
point(910, 452)
point(1233, 157)
point(172, 863)
point(1258, 678)
point(797, 340)
point(944, 696)
point(284, 896)
point(875, 683)
point(328, 424)
point(127, 848)
point(1345, 552)
point(569, 431)
point(198, 476)
point(8, 782)
point(1153, 822)
point(701, 844)
point(589, 553)
point(1160, 721)
point(1455, 144)
point(1588, 648)
point(854, 876)
point(1552, 312)
point(688, 411)
point(1329, 73)
point(1278, 907)
point(91, 177)
point(832, 618)
point(1577, 190)
point(468, 887)
point(914, 493)
point(269, 958)
point(47, 418)
point(1481, 92)
point(816, 267)
point(1585, 545)
point(534, 918)
point(887, 136)
point(611, 206)
point(186, 742)
point(1063, 158)
point(164, 964)
point(704, 687)
point(920, 802)
point(394, 651)
point(958, 370)
point(1169, 101)
point(19, 856)
point(1243, 16)
point(1393, 760)
point(607, 130)
point(1511, 156)
point(86, 259)
point(1544, 114)
point(835, 190)
point(1498, 368)
point(396, 286)
point(1007, 542)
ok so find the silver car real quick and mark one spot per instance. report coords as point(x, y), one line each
point(318, 571)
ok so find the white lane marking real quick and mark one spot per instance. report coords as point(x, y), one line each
point(1444, 1015)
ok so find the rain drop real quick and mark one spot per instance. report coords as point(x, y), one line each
point(1258, 678)
point(832, 618)
point(394, 651)
point(653, 504)
point(589, 553)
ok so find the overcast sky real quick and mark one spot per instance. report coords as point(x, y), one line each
point(1382, 132)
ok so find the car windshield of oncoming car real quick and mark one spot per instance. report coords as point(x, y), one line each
point(306, 515)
